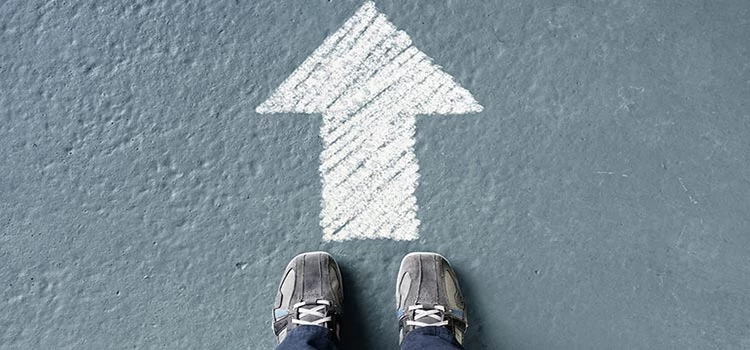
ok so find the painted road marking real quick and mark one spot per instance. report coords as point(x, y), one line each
point(369, 83)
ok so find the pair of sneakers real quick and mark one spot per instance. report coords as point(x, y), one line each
point(427, 295)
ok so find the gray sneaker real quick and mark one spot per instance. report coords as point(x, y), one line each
point(310, 293)
point(428, 295)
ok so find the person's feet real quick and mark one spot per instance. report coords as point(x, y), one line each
point(428, 295)
point(310, 293)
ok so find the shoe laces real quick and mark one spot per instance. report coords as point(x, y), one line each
point(435, 313)
point(316, 311)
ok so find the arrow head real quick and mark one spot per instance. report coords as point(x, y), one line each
point(365, 61)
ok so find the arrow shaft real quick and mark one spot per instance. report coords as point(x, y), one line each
point(370, 177)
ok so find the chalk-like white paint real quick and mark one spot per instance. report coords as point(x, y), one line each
point(369, 83)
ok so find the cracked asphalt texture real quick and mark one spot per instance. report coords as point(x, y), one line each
point(600, 201)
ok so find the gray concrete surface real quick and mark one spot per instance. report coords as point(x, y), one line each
point(600, 201)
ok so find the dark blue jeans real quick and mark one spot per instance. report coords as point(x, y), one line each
point(319, 338)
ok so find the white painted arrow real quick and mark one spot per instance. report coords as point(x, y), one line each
point(369, 83)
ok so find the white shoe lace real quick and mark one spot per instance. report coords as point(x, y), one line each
point(435, 313)
point(315, 311)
